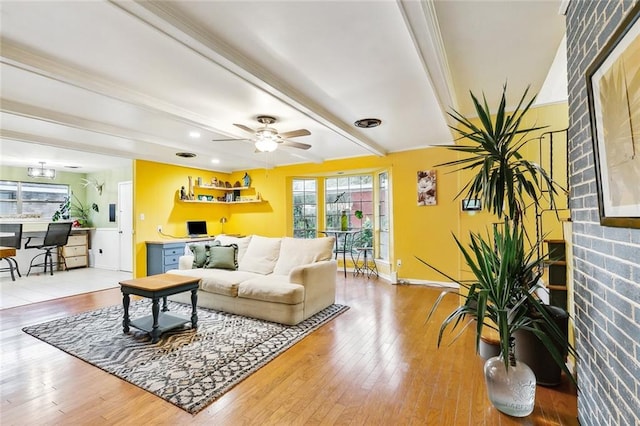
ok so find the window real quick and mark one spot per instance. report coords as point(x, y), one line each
point(349, 194)
point(305, 208)
point(31, 198)
point(383, 215)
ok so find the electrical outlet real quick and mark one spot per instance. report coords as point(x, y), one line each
point(159, 228)
point(399, 263)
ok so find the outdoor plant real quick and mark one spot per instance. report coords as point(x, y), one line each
point(365, 237)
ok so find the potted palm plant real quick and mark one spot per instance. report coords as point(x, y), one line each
point(505, 266)
point(75, 208)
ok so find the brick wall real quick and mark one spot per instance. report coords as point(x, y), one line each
point(607, 260)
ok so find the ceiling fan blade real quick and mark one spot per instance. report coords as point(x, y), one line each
point(296, 145)
point(231, 139)
point(245, 128)
point(294, 133)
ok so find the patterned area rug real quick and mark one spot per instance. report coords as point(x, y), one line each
point(189, 368)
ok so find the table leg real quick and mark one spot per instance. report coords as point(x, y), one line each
point(125, 304)
point(155, 310)
point(194, 311)
point(164, 304)
point(15, 262)
point(344, 256)
point(366, 264)
point(8, 259)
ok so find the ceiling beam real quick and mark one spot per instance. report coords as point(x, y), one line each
point(422, 23)
point(67, 120)
point(24, 58)
point(166, 18)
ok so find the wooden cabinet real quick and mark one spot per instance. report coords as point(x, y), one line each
point(76, 252)
point(162, 257)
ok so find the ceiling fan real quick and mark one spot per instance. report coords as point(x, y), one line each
point(267, 138)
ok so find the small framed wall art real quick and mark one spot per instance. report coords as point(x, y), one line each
point(427, 188)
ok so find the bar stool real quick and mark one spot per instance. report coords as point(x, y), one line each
point(57, 236)
point(10, 240)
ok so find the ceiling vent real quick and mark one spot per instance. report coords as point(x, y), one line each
point(367, 123)
point(185, 154)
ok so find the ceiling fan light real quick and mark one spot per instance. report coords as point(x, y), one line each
point(267, 133)
point(266, 145)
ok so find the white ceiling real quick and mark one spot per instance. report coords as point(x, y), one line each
point(132, 79)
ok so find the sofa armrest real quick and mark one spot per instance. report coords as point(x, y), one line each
point(319, 281)
point(185, 262)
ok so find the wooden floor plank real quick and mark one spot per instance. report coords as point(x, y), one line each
point(375, 364)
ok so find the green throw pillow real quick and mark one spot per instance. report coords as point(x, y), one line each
point(222, 257)
point(200, 253)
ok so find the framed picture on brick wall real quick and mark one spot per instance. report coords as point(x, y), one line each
point(613, 87)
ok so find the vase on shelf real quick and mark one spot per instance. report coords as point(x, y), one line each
point(191, 194)
point(344, 221)
point(511, 389)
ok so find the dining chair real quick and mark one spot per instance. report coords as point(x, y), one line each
point(10, 240)
point(57, 236)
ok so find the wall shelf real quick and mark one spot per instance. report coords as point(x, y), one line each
point(222, 202)
point(223, 188)
point(236, 190)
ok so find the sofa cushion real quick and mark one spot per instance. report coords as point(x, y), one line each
point(301, 251)
point(241, 242)
point(223, 281)
point(218, 281)
point(199, 252)
point(222, 257)
point(261, 255)
point(272, 288)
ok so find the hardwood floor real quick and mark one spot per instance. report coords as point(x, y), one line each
point(375, 364)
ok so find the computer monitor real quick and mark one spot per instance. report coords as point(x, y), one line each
point(197, 228)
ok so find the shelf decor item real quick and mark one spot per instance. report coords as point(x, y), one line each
point(246, 179)
point(191, 195)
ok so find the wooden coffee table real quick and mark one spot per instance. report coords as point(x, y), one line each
point(155, 287)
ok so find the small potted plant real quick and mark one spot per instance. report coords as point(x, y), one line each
point(75, 209)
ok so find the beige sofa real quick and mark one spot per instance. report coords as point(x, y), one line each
point(285, 280)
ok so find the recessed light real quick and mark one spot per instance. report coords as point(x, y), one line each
point(185, 154)
point(71, 167)
point(194, 134)
point(367, 123)
point(215, 161)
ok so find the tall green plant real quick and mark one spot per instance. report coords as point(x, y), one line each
point(502, 294)
point(503, 178)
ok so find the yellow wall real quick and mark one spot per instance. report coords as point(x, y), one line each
point(424, 231)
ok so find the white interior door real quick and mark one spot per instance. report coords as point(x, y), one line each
point(125, 225)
